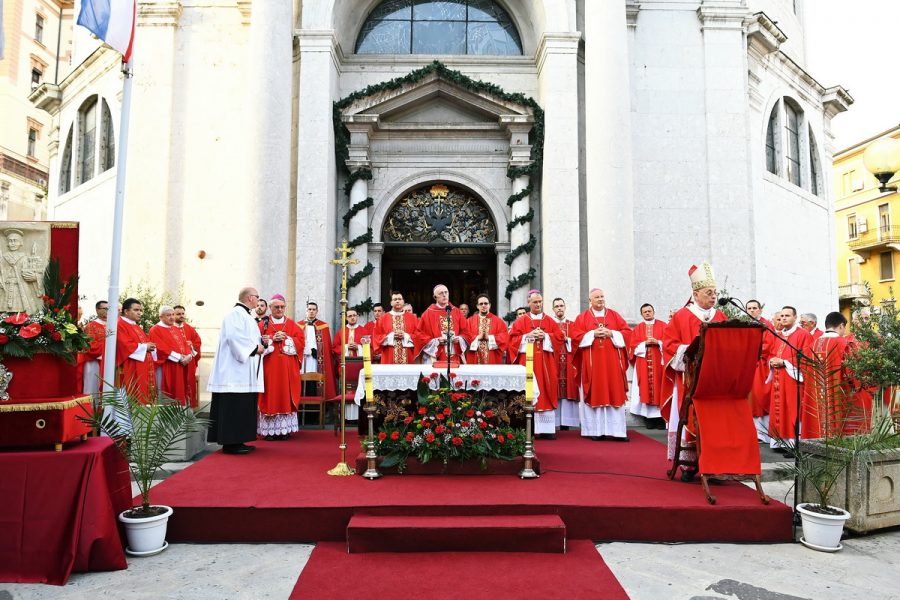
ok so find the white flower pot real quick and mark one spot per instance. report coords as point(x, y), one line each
point(146, 536)
point(820, 531)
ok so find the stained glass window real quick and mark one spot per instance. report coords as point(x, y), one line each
point(439, 27)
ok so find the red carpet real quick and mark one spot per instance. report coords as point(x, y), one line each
point(580, 573)
point(601, 490)
point(489, 533)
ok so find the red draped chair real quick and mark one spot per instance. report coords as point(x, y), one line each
point(720, 366)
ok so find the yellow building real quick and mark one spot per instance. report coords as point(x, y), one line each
point(868, 236)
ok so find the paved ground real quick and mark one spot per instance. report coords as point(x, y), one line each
point(867, 568)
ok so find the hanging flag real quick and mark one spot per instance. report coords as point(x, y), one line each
point(112, 21)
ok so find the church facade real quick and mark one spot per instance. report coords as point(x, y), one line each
point(493, 145)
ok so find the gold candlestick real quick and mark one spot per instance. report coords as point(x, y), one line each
point(528, 471)
point(342, 468)
point(371, 457)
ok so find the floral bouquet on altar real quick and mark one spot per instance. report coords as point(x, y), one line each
point(52, 329)
point(453, 421)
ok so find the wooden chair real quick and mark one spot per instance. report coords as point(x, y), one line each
point(317, 401)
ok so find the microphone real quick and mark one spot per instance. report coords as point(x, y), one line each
point(449, 309)
point(724, 300)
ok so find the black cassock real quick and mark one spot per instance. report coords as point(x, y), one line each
point(233, 416)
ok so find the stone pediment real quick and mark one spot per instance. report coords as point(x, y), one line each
point(434, 102)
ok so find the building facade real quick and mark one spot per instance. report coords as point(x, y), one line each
point(493, 145)
point(867, 239)
point(36, 46)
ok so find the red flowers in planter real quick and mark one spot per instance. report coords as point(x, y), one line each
point(429, 438)
point(30, 331)
point(457, 441)
point(382, 436)
point(395, 435)
point(16, 319)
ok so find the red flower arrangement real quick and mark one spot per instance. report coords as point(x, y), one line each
point(451, 422)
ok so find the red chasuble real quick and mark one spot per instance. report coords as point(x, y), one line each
point(398, 325)
point(281, 371)
point(433, 324)
point(844, 407)
point(568, 376)
point(325, 357)
point(649, 368)
point(544, 362)
point(354, 336)
point(761, 392)
point(601, 366)
point(489, 325)
point(191, 336)
point(137, 377)
point(681, 330)
point(783, 408)
point(173, 382)
point(97, 332)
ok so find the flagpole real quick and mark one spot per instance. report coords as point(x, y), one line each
point(112, 319)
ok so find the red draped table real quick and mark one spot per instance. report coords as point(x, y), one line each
point(58, 512)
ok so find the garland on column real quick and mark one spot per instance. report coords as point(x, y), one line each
point(533, 170)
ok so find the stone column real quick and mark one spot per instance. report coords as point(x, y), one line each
point(518, 127)
point(609, 209)
point(316, 175)
point(269, 82)
point(360, 128)
point(558, 228)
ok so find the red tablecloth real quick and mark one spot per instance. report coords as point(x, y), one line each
point(58, 512)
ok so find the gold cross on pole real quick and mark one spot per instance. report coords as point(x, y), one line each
point(344, 251)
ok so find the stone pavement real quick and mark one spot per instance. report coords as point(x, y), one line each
point(867, 568)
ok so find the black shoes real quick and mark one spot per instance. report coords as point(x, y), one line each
point(237, 449)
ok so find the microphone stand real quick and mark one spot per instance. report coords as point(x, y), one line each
point(798, 355)
point(449, 340)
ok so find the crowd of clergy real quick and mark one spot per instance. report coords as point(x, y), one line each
point(590, 370)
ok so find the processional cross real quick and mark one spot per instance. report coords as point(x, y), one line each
point(342, 468)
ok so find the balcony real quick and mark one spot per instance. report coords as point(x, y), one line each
point(881, 238)
point(852, 291)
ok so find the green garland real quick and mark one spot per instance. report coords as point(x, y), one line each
point(526, 218)
point(355, 279)
point(363, 239)
point(361, 173)
point(520, 281)
point(356, 208)
point(536, 137)
point(364, 307)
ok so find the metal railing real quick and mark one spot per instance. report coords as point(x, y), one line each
point(852, 290)
point(877, 236)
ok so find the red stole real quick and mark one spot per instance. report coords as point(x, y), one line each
point(783, 407)
point(649, 368)
point(492, 325)
point(281, 371)
point(137, 377)
point(398, 325)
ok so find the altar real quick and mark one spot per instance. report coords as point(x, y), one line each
point(396, 386)
point(494, 378)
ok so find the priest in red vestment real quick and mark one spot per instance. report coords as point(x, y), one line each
point(431, 332)
point(173, 355)
point(787, 377)
point(761, 392)
point(535, 326)
point(846, 408)
point(601, 360)
point(135, 354)
point(91, 361)
point(809, 322)
point(568, 380)
point(191, 336)
point(681, 330)
point(356, 336)
point(278, 404)
point(317, 354)
point(394, 332)
point(648, 374)
point(488, 336)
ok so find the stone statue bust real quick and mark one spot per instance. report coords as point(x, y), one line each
point(22, 269)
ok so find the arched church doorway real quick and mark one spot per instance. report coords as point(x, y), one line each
point(439, 233)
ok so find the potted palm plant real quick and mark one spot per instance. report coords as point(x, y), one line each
point(146, 434)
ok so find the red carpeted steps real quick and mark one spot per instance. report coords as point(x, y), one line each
point(477, 533)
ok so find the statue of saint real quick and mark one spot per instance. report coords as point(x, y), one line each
point(21, 275)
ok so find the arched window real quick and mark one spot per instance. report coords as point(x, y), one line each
point(439, 27)
point(65, 166)
point(87, 133)
point(107, 140)
point(771, 154)
point(792, 148)
point(814, 167)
